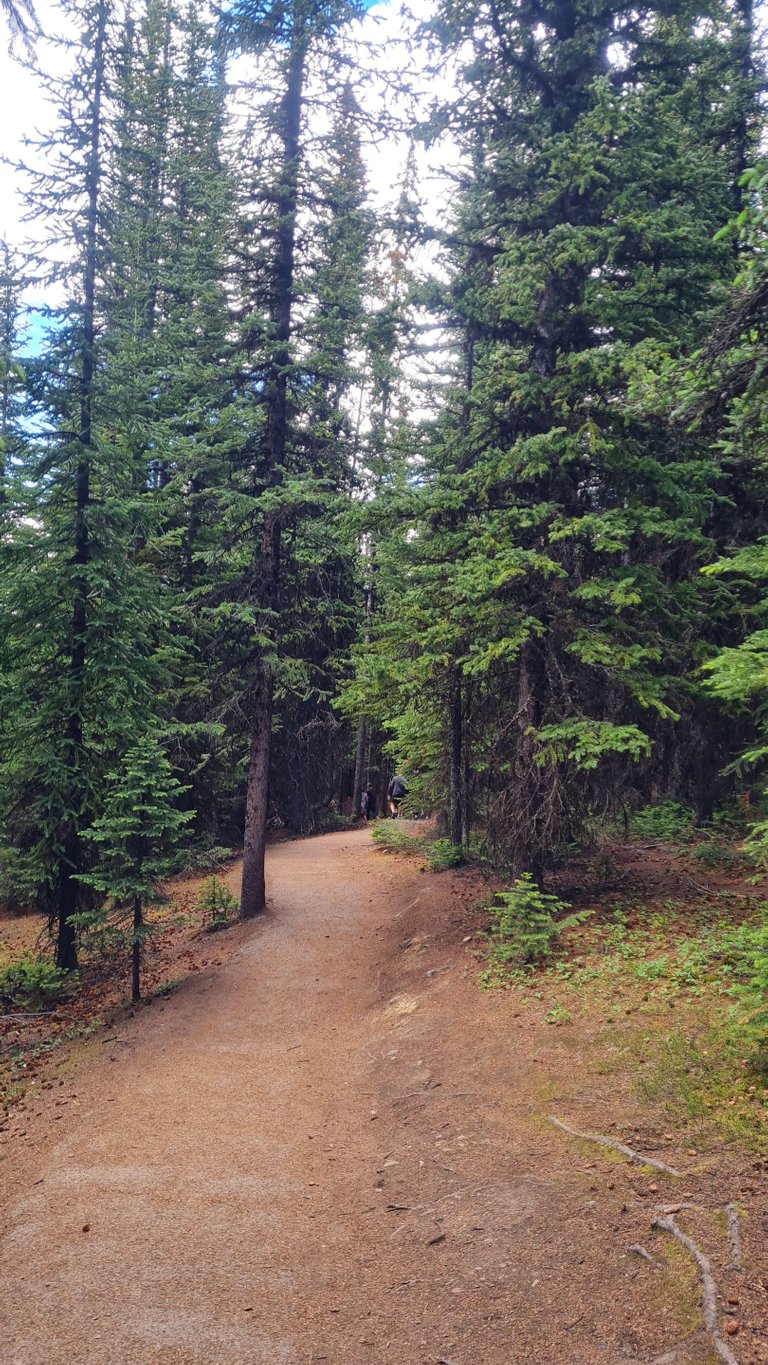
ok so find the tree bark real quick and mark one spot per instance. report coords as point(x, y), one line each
point(71, 861)
point(362, 727)
point(466, 768)
point(357, 789)
point(253, 898)
point(138, 921)
point(455, 763)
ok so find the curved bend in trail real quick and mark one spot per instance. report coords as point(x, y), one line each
point(321, 1151)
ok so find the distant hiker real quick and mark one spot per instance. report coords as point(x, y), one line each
point(395, 793)
point(369, 798)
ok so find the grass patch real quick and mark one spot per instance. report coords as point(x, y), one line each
point(440, 854)
point(389, 834)
point(682, 986)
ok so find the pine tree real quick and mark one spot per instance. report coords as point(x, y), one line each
point(80, 585)
point(57, 767)
point(137, 836)
point(292, 39)
point(554, 569)
point(11, 371)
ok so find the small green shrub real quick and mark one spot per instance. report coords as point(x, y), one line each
point(33, 982)
point(745, 948)
point(713, 855)
point(217, 902)
point(388, 834)
point(204, 856)
point(524, 930)
point(442, 855)
point(477, 849)
point(331, 822)
point(668, 821)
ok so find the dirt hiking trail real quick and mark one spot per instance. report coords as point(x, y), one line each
point(333, 1148)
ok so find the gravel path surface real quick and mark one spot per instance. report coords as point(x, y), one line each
point(321, 1151)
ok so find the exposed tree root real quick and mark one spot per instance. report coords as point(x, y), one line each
point(734, 1240)
point(617, 1147)
point(708, 1288)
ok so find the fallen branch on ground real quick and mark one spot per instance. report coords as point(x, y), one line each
point(708, 1288)
point(617, 1147)
point(734, 1240)
point(26, 1014)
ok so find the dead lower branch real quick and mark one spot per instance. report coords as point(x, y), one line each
point(617, 1147)
point(734, 1239)
point(708, 1287)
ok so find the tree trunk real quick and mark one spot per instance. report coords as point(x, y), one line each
point(455, 762)
point(357, 789)
point(466, 769)
point(71, 862)
point(7, 338)
point(362, 727)
point(253, 898)
point(138, 921)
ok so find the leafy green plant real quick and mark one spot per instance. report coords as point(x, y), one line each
point(204, 856)
point(745, 949)
point(137, 840)
point(714, 855)
point(31, 981)
point(388, 834)
point(668, 821)
point(442, 855)
point(558, 1015)
point(216, 902)
point(331, 822)
point(524, 930)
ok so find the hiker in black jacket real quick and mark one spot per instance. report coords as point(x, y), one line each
point(395, 793)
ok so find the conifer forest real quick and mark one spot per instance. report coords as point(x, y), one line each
point(305, 481)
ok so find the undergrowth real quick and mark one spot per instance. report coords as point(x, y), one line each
point(524, 931)
point(441, 854)
point(204, 856)
point(33, 983)
point(691, 977)
point(668, 821)
point(215, 901)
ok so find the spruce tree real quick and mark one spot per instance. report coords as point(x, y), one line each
point(137, 837)
point(87, 624)
point(292, 40)
point(554, 569)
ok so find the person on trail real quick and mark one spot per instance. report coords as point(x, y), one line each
point(370, 804)
point(395, 793)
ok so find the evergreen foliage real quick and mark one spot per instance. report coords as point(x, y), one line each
point(272, 494)
point(524, 930)
point(137, 838)
point(536, 654)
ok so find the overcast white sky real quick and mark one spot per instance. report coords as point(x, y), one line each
point(24, 110)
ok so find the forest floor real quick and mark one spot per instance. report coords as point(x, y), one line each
point(328, 1144)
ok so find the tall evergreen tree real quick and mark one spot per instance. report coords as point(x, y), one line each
point(82, 581)
point(295, 42)
point(553, 569)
